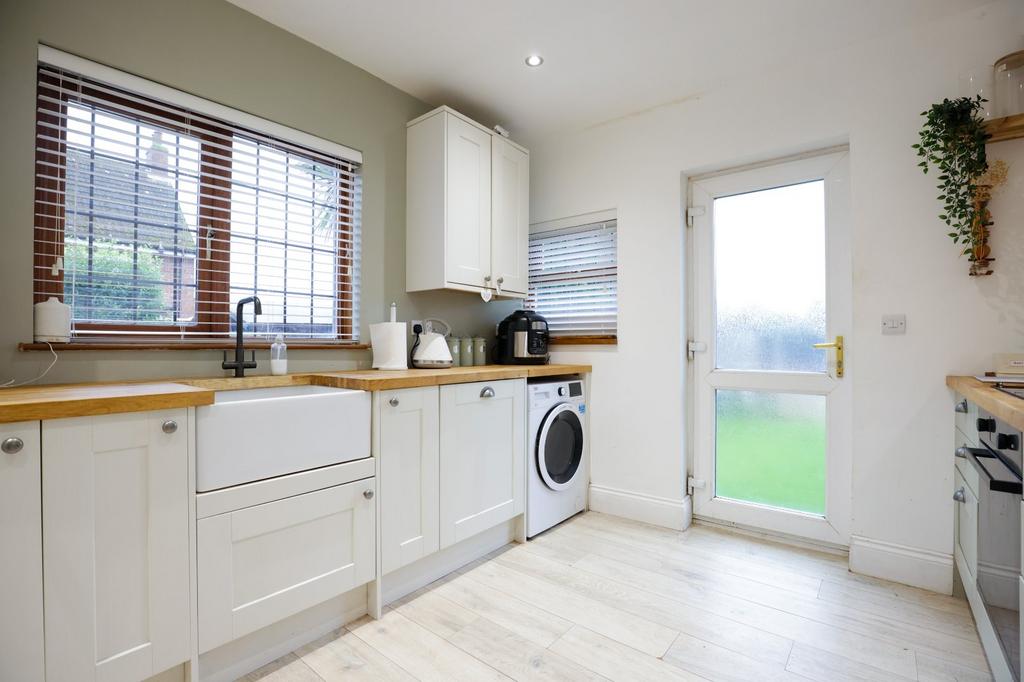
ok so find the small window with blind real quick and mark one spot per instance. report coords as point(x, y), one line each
point(574, 280)
point(154, 219)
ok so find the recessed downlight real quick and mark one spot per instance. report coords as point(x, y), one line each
point(534, 60)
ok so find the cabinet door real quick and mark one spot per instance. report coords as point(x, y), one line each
point(966, 525)
point(483, 456)
point(115, 545)
point(510, 222)
point(21, 536)
point(468, 203)
point(408, 458)
point(264, 563)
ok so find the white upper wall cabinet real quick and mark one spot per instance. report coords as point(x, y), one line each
point(510, 215)
point(467, 208)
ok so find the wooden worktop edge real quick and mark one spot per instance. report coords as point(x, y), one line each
point(78, 403)
point(1004, 406)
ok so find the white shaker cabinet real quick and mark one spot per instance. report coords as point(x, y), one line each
point(21, 572)
point(467, 207)
point(483, 456)
point(409, 467)
point(510, 211)
point(115, 499)
point(265, 562)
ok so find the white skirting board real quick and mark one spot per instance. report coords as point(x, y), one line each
point(658, 511)
point(903, 564)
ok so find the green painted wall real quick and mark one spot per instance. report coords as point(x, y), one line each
point(215, 50)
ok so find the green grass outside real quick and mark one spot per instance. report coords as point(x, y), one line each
point(778, 462)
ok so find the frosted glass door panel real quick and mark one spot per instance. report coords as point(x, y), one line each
point(770, 449)
point(769, 284)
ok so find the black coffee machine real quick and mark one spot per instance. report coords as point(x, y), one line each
point(522, 339)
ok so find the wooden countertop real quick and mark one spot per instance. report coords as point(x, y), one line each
point(79, 400)
point(1003, 405)
point(29, 403)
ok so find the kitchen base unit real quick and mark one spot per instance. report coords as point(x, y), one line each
point(987, 531)
point(276, 551)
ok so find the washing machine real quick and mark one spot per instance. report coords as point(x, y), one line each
point(557, 467)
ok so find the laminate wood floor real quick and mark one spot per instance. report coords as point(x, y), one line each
point(602, 598)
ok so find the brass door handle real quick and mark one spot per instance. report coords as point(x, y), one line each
point(838, 345)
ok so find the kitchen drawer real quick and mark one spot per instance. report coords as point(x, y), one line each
point(967, 422)
point(264, 563)
point(963, 438)
point(966, 525)
point(968, 471)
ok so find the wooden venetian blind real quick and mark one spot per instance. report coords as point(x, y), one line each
point(154, 218)
point(573, 279)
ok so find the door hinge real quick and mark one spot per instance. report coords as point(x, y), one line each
point(694, 484)
point(693, 212)
point(693, 347)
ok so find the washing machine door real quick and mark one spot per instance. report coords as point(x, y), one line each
point(560, 446)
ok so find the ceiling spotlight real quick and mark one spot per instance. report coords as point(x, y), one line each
point(534, 60)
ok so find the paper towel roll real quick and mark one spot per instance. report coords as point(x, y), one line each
point(389, 345)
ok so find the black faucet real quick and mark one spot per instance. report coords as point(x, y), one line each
point(239, 364)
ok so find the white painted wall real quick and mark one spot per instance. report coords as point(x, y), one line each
point(869, 95)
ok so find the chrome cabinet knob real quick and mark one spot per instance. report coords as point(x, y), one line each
point(962, 452)
point(488, 392)
point(961, 407)
point(393, 402)
point(501, 280)
point(487, 278)
point(169, 426)
point(368, 494)
point(960, 495)
point(12, 446)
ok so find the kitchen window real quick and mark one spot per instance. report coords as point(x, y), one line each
point(573, 269)
point(153, 218)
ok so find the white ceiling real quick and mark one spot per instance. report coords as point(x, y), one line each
point(603, 58)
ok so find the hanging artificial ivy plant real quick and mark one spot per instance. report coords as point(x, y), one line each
point(953, 143)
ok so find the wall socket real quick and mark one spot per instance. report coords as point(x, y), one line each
point(894, 324)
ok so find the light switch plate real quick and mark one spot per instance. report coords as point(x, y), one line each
point(894, 324)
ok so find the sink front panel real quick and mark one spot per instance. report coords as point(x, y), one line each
point(251, 435)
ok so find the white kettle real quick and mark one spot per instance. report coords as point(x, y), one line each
point(430, 350)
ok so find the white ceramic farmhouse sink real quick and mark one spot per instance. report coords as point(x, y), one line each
point(252, 434)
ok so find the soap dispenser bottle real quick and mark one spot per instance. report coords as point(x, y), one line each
point(278, 356)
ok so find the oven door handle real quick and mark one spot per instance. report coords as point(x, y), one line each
point(998, 485)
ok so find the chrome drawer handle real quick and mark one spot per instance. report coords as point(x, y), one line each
point(12, 446)
point(393, 402)
point(169, 426)
point(961, 452)
point(488, 392)
point(961, 407)
point(960, 495)
point(368, 494)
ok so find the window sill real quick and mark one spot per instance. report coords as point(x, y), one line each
point(609, 340)
point(154, 344)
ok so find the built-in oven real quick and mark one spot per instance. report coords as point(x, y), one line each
point(998, 465)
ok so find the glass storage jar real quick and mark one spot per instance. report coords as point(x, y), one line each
point(1010, 84)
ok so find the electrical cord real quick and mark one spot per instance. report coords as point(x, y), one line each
point(12, 384)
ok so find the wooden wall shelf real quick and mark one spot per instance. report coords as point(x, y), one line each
point(1006, 128)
